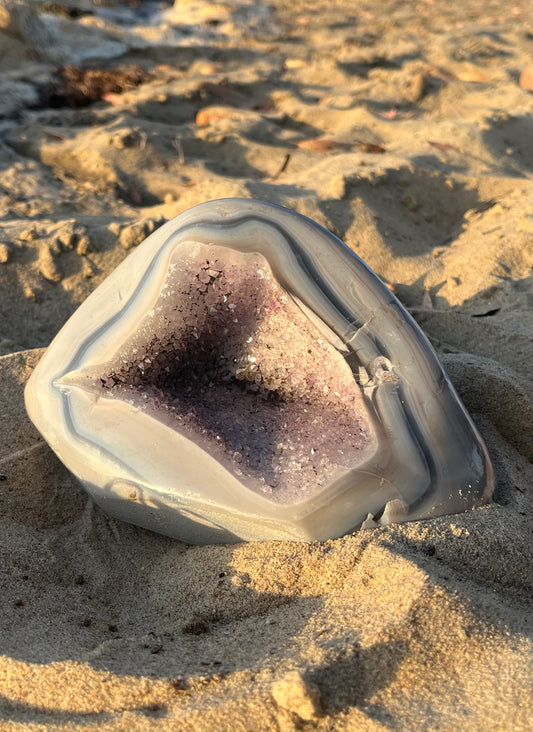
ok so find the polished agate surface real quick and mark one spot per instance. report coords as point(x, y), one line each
point(244, 375)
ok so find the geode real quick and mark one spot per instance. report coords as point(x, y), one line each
point(244, 375)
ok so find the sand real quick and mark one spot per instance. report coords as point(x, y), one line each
point(405, 129)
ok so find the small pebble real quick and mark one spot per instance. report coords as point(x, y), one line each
point(410, 202)
point(131, 236)
point(5, 253)
point(48, 267)
point(337, 186)
point(526, 78)
point(29, 293)
point(29, 234)
point(196, 626)
point(66, 237)
point(206, 68)
point(83, 246)
point(294, 693)
point(295, 63)
point(417, 89)
point(124, 139)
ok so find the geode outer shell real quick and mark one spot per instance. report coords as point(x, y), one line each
point(244, 375)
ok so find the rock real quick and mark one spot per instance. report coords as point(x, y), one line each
point(5, 253)
point(337, 186)
point(48, 267)
point(294, 693)
point(526, 78)
point(22, 21)
point(83, 246)
point(418, 88)
point(131, 236)
point(66, 236)
point(15, 95)
point(115, 228)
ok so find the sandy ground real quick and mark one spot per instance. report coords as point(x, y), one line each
point(404, 128)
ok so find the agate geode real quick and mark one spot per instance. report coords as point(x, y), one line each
point(244, 375)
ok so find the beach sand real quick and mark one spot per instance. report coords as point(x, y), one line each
point(404, 128)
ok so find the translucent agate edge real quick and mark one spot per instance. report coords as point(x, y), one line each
point(430, 460)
